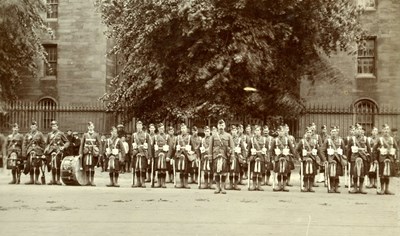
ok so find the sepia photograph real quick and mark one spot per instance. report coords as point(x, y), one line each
point(200, 117)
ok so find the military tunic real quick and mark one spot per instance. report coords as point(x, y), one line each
point(239, 152)
point(220, 146)
point(358, 147)
point(333, 151)
point(258, 154)
point(307, 151)
point(384, 152)
point(14, 145)
point(55, 141)
point(282, 152)
point(114, 151)
point(184, 148)
point(161, 148)
point(140, 151)
point(90, 150)
point(32, 149)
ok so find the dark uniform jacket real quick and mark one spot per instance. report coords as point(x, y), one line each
point(33, 141)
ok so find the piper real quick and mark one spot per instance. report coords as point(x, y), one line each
point(89, 152)
point(14, 154)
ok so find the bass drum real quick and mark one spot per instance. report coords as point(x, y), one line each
point(71, 172)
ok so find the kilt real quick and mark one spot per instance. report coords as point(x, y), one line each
point(257, 166)
point(182, 164)
point(234, 166)
point(113, 163)
point(220, 165)
point(309, 167)
point(89, 162)
point(282, 166)
point(389, 171)
point(161, 161)
point(54, 162)
point(361, 171)
point(335, 169)
point(140, 163)
point(207, 165)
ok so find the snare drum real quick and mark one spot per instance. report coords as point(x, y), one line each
point(71, 173)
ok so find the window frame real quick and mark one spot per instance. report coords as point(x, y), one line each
point(364, 74)
point(51, 16)
point(52, 59)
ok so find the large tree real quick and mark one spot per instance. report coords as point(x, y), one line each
point(193, 58)
point(20, 46)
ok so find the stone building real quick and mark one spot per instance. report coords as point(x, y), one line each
point(369, 81)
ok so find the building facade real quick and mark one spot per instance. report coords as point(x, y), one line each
point(368, 82)
point(77, 69)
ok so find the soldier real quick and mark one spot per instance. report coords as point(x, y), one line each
point(171, 154)
point(76, 144)
point(282, 153)
point(359, 156)
point(184, 148)
point(384, 152)
point(69, 151)
point(257, 158)
point(103, 156)
point(206, 159)
point(120, 131)
point(291, 163)
point(352, 130)
point(89, 152)
point(161, 148)
point(114, 151)
point(238, 157)
point(56, 143)
point(333, 152)
point(324, 134)
point(246, 142)
point(32, 150)
point(268, 166)
point(140, 140)
point(2, 150)
point(123, 168)
point(220, 144)
point(194, 165)
point(243, 163)
point(372, 175)
point(152, 136)
point(14, 154)
point(308, 151)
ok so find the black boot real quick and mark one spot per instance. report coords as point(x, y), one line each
point(306, 183)
point(362, 186)
point(31, 181)
point(14, 177)
point(53, 177)
point(310, 185)
point(331, 184)
point(337, 185)
point(111, 184)
point(355, 186)
point(223, 184)
point(284, 183)
point(92, 178)
point(235, 186)
point(254, 184)
point(116, 180)
point(230, 185)
point(185, 183)
point(387, 192)
point(137, 182)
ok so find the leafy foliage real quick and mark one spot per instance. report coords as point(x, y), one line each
point(193, 58)
point(20, 45)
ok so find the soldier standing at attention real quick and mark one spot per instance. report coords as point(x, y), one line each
point(359, 156)
point(56, 143)
point(14, 154)
point(140, 140)
point(385, 150)
point(220, 145)
point(238, 156)
point(32, 150)
point(89, 151)
point(184, 146)
point(282, 152)
point(206, 159)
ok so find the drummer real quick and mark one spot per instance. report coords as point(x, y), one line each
point(90, 151)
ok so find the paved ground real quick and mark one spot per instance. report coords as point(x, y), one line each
point(70, 210)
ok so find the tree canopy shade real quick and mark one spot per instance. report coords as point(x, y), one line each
point(194, 58)
point(20, 45)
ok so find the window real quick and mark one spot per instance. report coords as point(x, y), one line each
point(366, 59)
point(365, 111)
point(52, 12)
point(367, 4)
point(51, 67)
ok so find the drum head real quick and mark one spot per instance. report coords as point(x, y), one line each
point(71, 173)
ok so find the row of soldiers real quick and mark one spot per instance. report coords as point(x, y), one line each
point(241, 154)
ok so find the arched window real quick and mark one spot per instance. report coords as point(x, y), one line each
point(365, 111)
point(47, 108)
